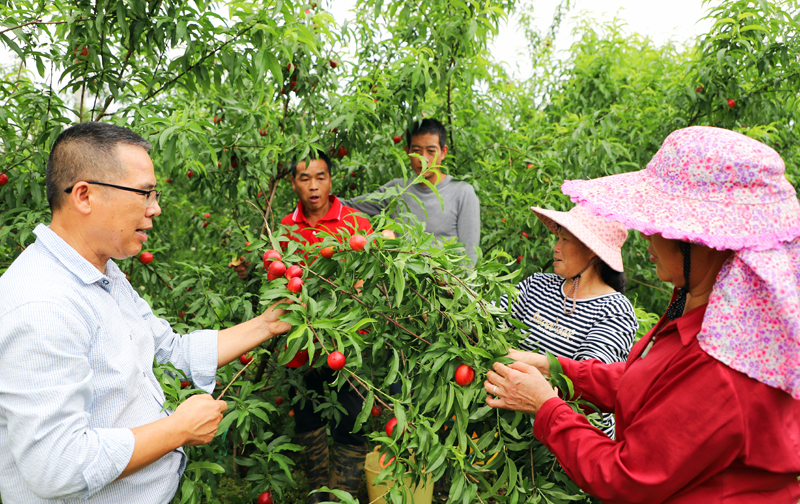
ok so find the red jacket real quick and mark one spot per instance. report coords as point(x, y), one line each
point(338, 217)
point(689, 428)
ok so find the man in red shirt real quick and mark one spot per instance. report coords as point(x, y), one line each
point(318, 214)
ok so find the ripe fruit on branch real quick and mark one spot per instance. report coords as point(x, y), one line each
point(245, 359)
point(524, 235)
point(397, 139)
point(276, 270)
point(334, 63)
point(300, 358)
point(357, 242)
point(376, 411)
point(731, 103)
point(265, 498)
point(294, 271)
point(262, 132)
point(169, 181)
point(519, 259)
point(181, 314)
point(190, 174)
point(184, 384)
point(342, 151)
point(205, 224)
point(699, 88)
point(206, 215)
point(295, 284)
point(217, 120)
point(271, 255)
point(390, 427)
point(529, 166)
point(464, 375)
point(146, 257)
point(336, 360)
point(290, 67)
point(3, 179)
point(384, 464)
point(327, 252)
point(279, 400)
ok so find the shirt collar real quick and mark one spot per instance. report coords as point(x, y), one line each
point(70, 258)
point(689, 324)
point(334, 214)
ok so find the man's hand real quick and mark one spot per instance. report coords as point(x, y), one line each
point(518, 387)
point(195, 422)
point(534, 359)
point(199, 417)
point(240, 267)
point(271, 315)
point(241, 338)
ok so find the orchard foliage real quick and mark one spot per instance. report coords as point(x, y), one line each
point(229, 94)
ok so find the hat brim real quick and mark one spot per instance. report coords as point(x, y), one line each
point(630, 200)
point(553, 218)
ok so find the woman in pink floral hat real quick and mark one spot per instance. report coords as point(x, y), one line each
point(708, 403)
point(579, 311)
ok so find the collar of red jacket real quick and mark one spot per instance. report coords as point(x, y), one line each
point(334, 214)
point(688, 325)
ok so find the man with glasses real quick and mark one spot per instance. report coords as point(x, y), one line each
point(80, 408)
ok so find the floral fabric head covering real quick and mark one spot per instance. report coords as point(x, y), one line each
point(727, 191)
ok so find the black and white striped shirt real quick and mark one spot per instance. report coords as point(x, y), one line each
point(601, 327)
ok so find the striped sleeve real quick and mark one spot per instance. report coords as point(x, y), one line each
point(611, 335)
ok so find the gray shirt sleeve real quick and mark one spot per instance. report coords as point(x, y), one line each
point(469, 222)
point(371, 207)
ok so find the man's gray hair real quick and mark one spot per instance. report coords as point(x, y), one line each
point(86, 151)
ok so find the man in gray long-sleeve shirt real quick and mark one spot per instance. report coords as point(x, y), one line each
point(461, 215)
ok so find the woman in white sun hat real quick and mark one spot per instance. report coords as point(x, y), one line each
point(579, 311)
point(708, 403)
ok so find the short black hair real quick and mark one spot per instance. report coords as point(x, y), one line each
point(427, 126)
point(314, 154)
point(86, 151)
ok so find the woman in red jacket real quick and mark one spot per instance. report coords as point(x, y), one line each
point(707, 403)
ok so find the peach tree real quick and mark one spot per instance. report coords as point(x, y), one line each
point(229, 94)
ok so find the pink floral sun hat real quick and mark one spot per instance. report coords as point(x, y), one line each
point(727, 191)
point(604, 237)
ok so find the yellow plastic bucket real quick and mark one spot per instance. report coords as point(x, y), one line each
point(421, 494)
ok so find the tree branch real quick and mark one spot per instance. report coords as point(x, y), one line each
point(201, 60)
point(40, 22)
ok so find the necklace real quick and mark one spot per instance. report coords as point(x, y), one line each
point(573, 291)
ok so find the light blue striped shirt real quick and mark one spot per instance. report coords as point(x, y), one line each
point(76, 357)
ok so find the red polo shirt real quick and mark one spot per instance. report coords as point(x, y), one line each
point(689, 428)
point(337, 218)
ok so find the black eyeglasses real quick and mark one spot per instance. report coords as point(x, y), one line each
point(151, 197)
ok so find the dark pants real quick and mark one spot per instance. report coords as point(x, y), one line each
point(306, 420)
